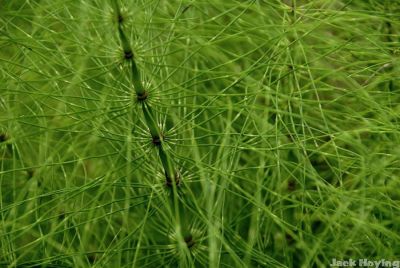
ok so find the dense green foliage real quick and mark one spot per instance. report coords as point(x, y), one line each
point(279, 119)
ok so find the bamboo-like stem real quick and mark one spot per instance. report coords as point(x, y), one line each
point(171, 173)
point(129, 56)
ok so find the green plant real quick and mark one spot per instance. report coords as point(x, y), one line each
point(198, 133)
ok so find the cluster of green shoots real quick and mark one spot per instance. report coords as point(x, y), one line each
point(223, 133)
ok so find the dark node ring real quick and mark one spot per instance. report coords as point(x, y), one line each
point(169, 181)
point(143, 96)
point(128, 54)
point(120, 18)
point(156, 140)
point(189, 241)
point(3, 137)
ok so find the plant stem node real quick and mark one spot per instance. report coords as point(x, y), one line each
point(3, 137)
point(189, 241)
point(291, 186)
point(143, 96)
point(120, 19)
point(128, 55)
point(169, 180)
point(156, 140)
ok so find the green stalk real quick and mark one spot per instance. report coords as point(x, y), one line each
point(151, 122)
point(171, 173)
point(128, 54)
point(126, 46)
point(137, 84)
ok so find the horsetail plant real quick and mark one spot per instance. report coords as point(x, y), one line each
point(246, 133)
point(171, 173)
point(129, 55)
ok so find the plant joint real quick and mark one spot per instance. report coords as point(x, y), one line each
point(169, 181)
point(142, 97)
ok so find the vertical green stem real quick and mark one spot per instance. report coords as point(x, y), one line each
point(171, 174)
point(128, 54)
